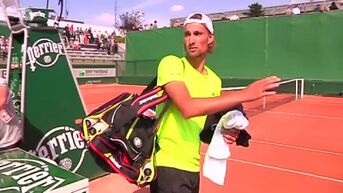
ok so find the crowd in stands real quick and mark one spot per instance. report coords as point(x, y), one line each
point(295, 10)
point(3, 46)
point(147, 26)
point(78, 37)
point(272, 11)
point(323, 8)
point(102, 41)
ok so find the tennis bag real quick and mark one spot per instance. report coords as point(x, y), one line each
point(123, 131)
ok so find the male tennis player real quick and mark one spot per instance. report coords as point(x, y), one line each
point(195, 91)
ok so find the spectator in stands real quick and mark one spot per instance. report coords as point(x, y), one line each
point(77, 34)
point(140, 28)
point(82, 36)
point(75, 45)
point(86, 36)
point(154, 25)
point(324, 7)
point(71, 32)
point(289, 10)
point(109, 43)
point(114, 43)
point(3, 46)
point(11, 132)
point(113, 34)
point(115, 47)
point(66, 32)
point(317, 8)
point(234, 17)
point(145, 26)
point(194, 92)
point(176, 23)
point(296, 10)
point(97, 39)
point(333, 6)
point(95, 35)
point(107, 35)
point(101, 41)
point(90, 36)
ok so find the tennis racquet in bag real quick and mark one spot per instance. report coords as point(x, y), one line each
point(123, 131)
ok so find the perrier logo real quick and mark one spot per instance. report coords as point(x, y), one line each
point(26, 175)
point(63, 145)
point(33, 15)
point(44, 53)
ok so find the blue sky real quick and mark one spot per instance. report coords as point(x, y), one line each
point(101, 12)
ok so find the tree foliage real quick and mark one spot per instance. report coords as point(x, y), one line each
point(130, 21)
point(255, 10)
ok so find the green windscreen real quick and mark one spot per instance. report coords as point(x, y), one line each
point(306, 46)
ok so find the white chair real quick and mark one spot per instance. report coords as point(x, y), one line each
point(13, 15)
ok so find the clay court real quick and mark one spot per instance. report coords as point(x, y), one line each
point(296, 147)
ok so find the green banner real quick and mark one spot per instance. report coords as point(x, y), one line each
point(52, 104)
point(24, 173)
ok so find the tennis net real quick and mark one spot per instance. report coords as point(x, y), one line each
point(289, 90)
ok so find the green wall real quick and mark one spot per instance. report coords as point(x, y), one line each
point(145, 48)
point(299, 46)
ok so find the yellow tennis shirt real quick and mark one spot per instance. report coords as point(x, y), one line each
point(178, 138)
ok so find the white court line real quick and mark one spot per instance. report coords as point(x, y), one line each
point(316, 101)
point(283, 169)
point(323, 104)
point(297, 114)
point(119, 85)
point(288, 170)
point(297, 147)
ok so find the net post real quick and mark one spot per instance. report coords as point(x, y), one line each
point(296, 89)
point(302, 88)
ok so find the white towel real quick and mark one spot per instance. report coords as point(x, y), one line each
point(218, 151)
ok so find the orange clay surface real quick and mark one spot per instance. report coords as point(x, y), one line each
point(296, 147)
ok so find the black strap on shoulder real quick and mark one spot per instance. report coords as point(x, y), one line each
point(150, 86)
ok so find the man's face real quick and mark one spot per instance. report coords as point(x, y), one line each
point(197, 39)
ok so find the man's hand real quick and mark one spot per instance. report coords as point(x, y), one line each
point(261, 88)
point(230, 135)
